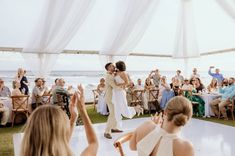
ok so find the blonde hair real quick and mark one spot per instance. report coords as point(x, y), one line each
point(46, 133)
point(179, 110)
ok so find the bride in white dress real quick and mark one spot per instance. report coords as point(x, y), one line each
point(119, 95)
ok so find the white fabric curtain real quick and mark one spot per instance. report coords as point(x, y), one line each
point(59, 22)
point(228, 6)
point(186, 45)
point(132, 18)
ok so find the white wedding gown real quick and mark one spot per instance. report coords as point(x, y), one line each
point(120, 103)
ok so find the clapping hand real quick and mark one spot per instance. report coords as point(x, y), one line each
point(157, 118)
point(80, 98)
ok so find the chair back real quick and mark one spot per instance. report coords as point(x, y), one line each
point(20, 102)
point(118, 143)
point(136, 97)
point(153, 95)
point(42, 100)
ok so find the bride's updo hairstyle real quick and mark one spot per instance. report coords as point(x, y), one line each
point(179, 110)
point(121, 66)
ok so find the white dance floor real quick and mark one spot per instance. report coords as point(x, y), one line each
point(208, 138)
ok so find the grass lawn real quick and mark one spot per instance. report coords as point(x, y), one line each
point(6, 140)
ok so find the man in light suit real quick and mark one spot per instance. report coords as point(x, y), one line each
point(111, 126)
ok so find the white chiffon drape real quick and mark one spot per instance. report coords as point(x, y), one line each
point(228, 6)
point(59, 22)
point(131, 20)
point(186, 45)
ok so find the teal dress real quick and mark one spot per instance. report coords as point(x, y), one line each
point(195, 98)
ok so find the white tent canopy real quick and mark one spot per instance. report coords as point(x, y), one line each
point(215, 30)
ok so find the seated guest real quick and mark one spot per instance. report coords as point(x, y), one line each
point(16, 89)
point(198, 84)
point(38, 91)
point(52, 137)
point(179, 77)
point(156, 77)
point(224, 82)
point(176, 86)
point(195, 74)
point(4, 90)
point(187, 86)
point(216, 75)
point(4, 111)
point(101, 106)
point(54, 86)
point(213, 87)
point(59, 89)
point(219, 104)
point(165, 93)
point(192, 94)
point(129, 91)
point(139, 85)
point(159, 137)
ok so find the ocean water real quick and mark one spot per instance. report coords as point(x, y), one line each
point(90, 79)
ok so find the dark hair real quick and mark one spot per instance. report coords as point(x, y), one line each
point(107, 65)
point(56, 80)
point(36, 80)
point(121, 66)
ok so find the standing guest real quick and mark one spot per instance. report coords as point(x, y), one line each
point(216, 75)
point(198, 84)
point(219, 104)
point(160, 136)
point(148, 86)
point(213, 86)
point(156, 77)
point(139, 85)
point(53, 135)
point(165, 93)
point(4, 90)
point(23, 81)
point(179, 77)
point(38, 91)
point(5, 114)
point(101, 106)
point(129, 92)
point(163, 86)
point(195, 74)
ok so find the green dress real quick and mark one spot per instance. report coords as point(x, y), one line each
point(195, 98)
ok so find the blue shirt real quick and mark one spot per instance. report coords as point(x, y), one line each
point(219, 77)
point(227, 92)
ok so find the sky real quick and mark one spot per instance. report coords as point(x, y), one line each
point(215, 30)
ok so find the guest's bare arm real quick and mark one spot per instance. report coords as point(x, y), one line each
point(90, 133)
point(140, 133)
point(74, 114)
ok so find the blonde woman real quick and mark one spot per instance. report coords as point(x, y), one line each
point(159, 136)
point(49, 130)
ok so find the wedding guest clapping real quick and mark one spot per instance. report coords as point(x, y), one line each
point(52, 137)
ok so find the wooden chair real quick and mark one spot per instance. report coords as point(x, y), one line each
point(153, 98)
point(95, 95)
point(230, 108)
point(136, 97)
point(121, 140)
point(42, 100)
point(19, 105)
point(62, 101)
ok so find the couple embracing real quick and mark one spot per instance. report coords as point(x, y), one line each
point(115, 96)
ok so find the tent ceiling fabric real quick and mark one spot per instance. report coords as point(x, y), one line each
point(214, 28)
